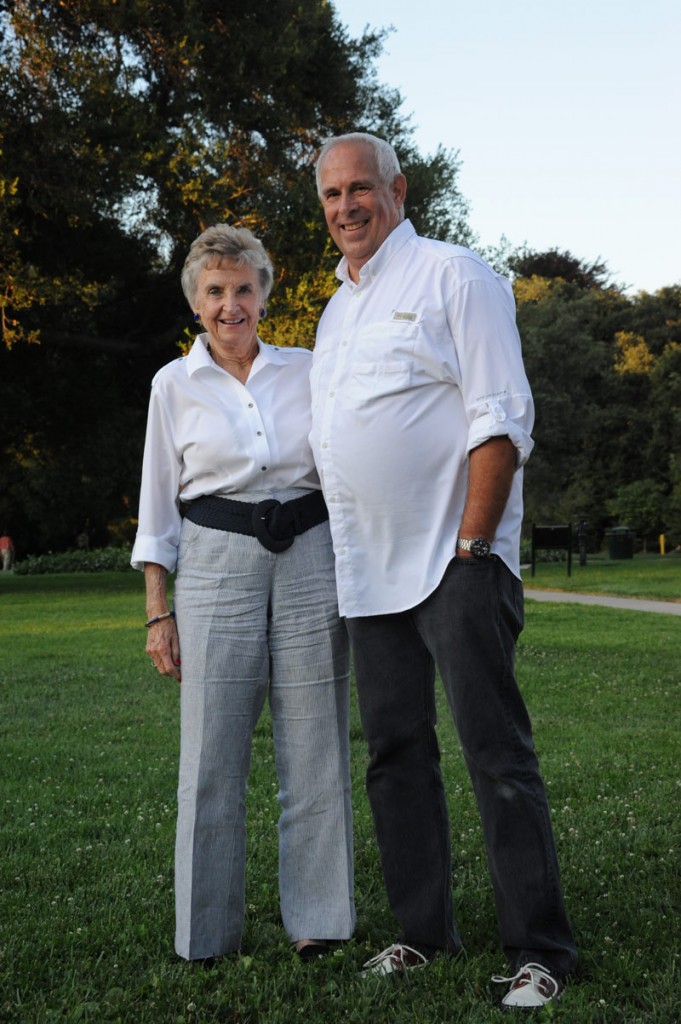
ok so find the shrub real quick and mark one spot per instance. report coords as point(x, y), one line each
point(541, 554)
point(98, 560)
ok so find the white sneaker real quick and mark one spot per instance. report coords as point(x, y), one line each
point(396, 959)
point(533, 986)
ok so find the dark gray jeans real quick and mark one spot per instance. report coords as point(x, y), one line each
point(467, 628)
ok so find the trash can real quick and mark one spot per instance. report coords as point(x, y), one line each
point(621, 542)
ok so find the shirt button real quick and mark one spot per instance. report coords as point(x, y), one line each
point(331, 394)
point(250, 405)
point(325, 444)
point(263, 468)
point(259, 433)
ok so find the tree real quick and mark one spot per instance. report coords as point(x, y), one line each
point(567, 332)
point(639, 505)
point(606, 375)
point(125, 128)
point(649, 363)
point(128, 132)
point(554, 264)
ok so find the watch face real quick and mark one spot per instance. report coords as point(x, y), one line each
point(480, 547)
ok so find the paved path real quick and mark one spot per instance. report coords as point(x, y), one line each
point(630, 603)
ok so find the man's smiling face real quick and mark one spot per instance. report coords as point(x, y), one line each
point(360, 210)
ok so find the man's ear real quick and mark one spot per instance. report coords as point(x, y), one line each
point(399, 189)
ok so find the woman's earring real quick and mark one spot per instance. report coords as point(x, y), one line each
point(196, 318)
point(263, 313)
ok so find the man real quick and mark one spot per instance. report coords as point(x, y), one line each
point(421, 423)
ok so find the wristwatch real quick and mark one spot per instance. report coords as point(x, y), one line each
point(478, 546)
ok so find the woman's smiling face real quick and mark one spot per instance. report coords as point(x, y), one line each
point(228, 301)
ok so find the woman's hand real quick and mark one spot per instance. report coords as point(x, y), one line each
point(163, 646)
point(163, 643)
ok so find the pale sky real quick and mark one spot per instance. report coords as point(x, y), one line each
point(566, 116)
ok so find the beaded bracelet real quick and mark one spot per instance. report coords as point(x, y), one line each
point(157, 618)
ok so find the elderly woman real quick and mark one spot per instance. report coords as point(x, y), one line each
point(230, 498)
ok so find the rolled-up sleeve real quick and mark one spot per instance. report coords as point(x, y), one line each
point(511, 416)
point(158, 531)
point(496, 392)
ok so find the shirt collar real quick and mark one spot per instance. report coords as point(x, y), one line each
point(199, 357)
point(398, 237)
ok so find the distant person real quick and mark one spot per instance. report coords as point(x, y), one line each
point(255, 614)
point(7, 552)
point(83, 538)
point(421, 423)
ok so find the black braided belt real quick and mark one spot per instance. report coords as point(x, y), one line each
point(275, 524)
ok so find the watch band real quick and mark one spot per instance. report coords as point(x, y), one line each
point(479, 547)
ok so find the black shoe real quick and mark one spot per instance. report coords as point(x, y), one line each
point(313, 951)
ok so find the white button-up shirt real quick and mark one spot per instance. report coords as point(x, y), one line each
point(207, 433)
point(414, 366)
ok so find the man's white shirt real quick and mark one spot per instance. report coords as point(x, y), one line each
point(414, 366)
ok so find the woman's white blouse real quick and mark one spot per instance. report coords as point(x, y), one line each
point(207, 433)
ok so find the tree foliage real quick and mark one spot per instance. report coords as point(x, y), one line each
point(554, 264)
point(605, 375)
point(640, 505)
point(128, 131)
point(126, 127)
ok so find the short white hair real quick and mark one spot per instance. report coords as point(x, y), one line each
point(386, 158)
point(224, 242)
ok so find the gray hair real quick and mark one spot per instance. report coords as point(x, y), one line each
point(223, 242)
point(386, 158)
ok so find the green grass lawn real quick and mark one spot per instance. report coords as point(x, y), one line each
point(649, 576)
point(88, 768)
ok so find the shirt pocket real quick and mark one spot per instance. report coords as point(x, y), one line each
point(388, 340)
point(371, 381)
